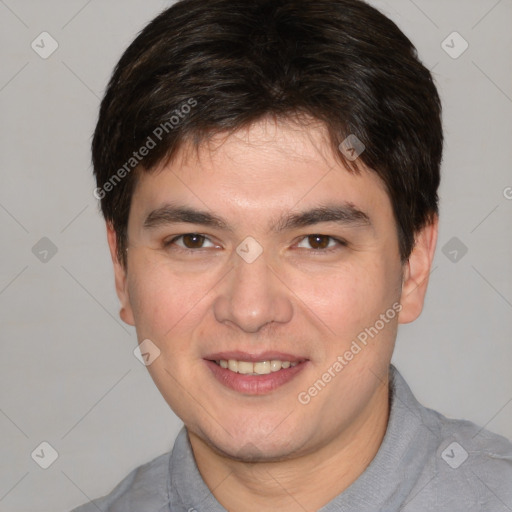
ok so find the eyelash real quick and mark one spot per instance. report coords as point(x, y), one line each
point(340, 243)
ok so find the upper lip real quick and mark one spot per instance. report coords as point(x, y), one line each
point(253, 357)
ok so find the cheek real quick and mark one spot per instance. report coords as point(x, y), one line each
point(349, 297)
point(163, 301)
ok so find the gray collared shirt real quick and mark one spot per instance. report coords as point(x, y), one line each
point(426, 462)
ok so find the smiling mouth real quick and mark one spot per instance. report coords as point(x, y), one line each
point(257, 367)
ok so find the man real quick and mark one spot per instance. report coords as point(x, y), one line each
point(268, 172)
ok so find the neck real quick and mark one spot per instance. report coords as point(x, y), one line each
point(305, 482)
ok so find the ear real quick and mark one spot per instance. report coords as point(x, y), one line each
point(120, 274)
point(417, 271)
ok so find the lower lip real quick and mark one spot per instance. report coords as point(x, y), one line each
point(254, 384)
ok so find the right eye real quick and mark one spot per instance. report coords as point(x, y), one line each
point(189, 242)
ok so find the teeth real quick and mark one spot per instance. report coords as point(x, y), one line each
point(262, 368)
point(244, 367)
point(257, 368)
point(275, 365)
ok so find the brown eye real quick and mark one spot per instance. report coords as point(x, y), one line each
point(319, 241)
point(193, 240)
point(189, 241)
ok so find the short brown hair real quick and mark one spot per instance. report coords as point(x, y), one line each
point(205, 67)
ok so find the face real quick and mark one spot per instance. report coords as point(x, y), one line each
point(261, 253)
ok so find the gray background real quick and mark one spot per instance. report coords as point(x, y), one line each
point(68, 374)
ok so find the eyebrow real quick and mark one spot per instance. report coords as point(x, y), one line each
point(345, 214)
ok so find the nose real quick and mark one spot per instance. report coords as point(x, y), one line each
point(251, 296)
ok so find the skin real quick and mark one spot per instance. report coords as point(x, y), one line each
point(269, 451)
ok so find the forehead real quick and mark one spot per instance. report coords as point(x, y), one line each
point(268, 166)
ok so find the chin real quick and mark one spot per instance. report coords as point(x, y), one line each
point(252, 443)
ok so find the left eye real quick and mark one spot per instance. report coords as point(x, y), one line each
point(320, 242)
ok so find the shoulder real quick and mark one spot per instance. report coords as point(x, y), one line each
point(473, 460)
point(469, 442)
point(464, 467)
point(144, 488)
